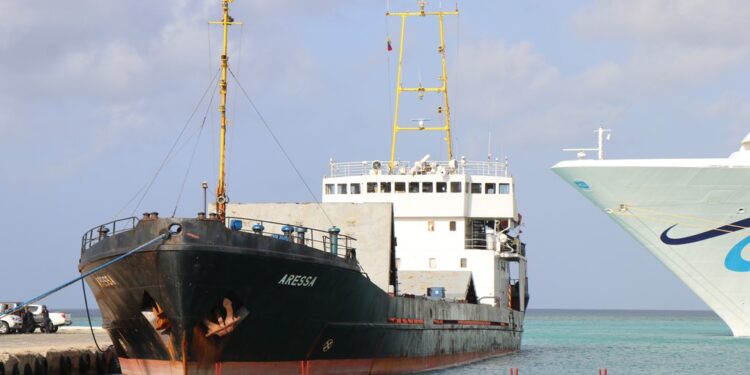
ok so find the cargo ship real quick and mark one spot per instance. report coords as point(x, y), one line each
point(224, 293)
point(691, 214)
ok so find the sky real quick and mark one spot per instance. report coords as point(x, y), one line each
point(96, 94)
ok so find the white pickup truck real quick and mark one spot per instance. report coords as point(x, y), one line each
point(13, 323)
point(10, 323)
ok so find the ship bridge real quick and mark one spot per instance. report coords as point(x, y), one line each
point(455, 215)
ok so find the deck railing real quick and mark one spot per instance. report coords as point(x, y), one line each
point(336, 244)
point(474, 168)
point(99, 232)
point(327, 241)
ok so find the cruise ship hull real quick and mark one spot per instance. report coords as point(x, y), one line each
point(690, 214)
point(220, 301)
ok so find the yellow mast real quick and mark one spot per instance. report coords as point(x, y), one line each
point(422, 90)
point(221, 198)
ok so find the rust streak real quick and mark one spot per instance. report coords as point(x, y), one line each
point(184, 353)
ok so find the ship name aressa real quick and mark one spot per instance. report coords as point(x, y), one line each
point(298, 280)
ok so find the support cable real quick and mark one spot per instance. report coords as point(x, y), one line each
point(456, 80)
point(190, 165)
point(278, 143)
point(167, 157)
point(230, 151)
point(192, 156)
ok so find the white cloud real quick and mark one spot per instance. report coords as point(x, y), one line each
point(689, 22)
point(114, 68)
point(503, 76)
point(670, 44)
point(515, 86)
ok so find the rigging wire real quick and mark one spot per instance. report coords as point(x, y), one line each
point(278, 143)
point(210, 55)
point(171, 150)
point(199, 131)
point(230, 164)
point(211, 115)
point(145, 185)
point(192, 156)
point(456, 80)
point(137, 193)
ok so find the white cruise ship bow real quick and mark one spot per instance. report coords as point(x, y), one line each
point(692, 214)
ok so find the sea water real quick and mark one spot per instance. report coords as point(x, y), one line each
point(624, 342)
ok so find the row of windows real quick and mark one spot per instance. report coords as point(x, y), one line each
point(419, 187)
point(433, 263)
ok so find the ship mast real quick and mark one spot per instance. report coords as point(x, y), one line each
point(221, 197)
point(421, 90)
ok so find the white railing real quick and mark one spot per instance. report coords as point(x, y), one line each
point(474, 168)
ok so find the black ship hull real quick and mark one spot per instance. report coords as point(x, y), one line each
point(211, 300)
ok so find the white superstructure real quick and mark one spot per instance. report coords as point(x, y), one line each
point(448, 216)
point(452, 219)
point(692, 214)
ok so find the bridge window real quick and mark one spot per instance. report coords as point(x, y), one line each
point(427, 187)
point(385, 187)
point(342, 189)
point(476, 188)
point(372, 187)
point(329, 189)
point(355, 188)
point(463, 262)
point(504, 189)
point(489, 188)
point(400, 187)
point(441, 187)
point(431, 226)
point(455, 187)
point(414, 187)
point(452, 226)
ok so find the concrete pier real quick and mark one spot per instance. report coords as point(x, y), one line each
point(69, 351)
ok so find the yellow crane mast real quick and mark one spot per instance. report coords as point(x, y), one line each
point(421, 90)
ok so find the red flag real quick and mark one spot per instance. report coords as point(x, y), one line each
point(390, 47)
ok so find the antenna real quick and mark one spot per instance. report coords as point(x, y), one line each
point(602, 134)
point(421, 90)
point(489, 146)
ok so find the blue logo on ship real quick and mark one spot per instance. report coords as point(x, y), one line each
point(582, 185)
point(734, 260)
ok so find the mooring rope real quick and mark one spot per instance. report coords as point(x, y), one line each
point(88, 315)
point(160, 238)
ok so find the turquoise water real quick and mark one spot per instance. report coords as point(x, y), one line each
point(625, 342)
point(78, 316)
